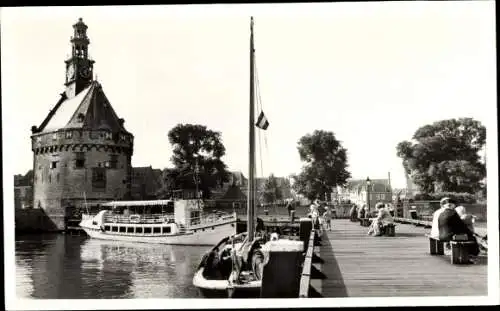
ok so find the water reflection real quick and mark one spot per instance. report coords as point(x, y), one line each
point(60, 266)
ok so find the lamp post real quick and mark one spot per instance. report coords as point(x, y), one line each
point(368, 183)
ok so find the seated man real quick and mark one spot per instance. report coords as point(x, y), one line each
point(450, 224)
point(435, 225)
point(362, 212)
point(383, 218)
point(353, 213)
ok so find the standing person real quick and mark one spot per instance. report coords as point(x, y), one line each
point(289, 207)
point(327, 218)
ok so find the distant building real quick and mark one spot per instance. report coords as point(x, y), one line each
point(145, 183)
point(355, 191)
point(23, 190)
point(82, 151)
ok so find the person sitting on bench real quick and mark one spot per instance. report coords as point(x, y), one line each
point(362, 212)
point(468, 219)
point(447, 223)
point(353, 213)
point(383, 219)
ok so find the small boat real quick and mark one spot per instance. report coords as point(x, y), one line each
point(234, 267)
point(175, 222)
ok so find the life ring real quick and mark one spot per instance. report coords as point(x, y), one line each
point(135, 218)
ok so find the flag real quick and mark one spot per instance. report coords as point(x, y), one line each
point(262, 122)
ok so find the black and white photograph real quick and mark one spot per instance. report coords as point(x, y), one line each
point(338, 154)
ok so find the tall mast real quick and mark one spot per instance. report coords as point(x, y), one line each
point(251, 150)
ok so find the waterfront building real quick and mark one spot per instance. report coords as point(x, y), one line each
point(23, 190)
point(81, 150)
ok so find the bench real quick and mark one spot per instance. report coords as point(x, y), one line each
point(459, 248)
point(436, 246)
point(365, 222)
point(388, 230)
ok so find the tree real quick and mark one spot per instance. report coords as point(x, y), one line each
point(272, 191)
point(195, 149)
point(444, 156)
point(325, 164)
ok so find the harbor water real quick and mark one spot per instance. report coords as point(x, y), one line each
point(53, 266)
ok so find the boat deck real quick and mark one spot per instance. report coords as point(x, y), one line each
point(357, 265)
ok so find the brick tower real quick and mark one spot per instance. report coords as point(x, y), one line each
point(81, 151)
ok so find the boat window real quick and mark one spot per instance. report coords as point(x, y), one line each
point(130, 229)
point(138, 230)
point(122, 229)
point(106, 228)
point(166, 229)
point(114, 229)
point(147, 229)
point(157, 230)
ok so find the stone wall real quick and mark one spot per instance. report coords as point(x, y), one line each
point(33, 220)
point(62, 190)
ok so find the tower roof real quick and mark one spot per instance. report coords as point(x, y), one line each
point(89, 109)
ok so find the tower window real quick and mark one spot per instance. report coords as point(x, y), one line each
point(69, 134)
point(98, 178)
point(53, 164)
point(79, 160)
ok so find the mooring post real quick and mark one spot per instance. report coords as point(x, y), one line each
point(305, 227)
point(282, 270)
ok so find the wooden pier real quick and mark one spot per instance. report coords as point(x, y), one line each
point(356, 265)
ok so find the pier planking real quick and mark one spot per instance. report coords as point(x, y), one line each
point(357, 265)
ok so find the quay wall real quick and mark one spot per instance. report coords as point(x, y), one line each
point(33, 221)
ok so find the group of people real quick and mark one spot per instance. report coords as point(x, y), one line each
point(383, 217)
point(321, 215)
point(451, 220)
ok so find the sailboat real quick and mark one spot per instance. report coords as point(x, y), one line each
point(234, 266)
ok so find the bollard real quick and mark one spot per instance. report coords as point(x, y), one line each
point(282, 269)
point(305, 228)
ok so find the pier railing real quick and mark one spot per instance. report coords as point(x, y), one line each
point(305, 279)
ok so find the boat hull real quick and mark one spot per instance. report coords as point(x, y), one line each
point(210, 236)
point(220, 288)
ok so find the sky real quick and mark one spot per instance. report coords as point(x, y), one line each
point(372, 73)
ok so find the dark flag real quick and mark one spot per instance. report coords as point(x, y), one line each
point(262, 122)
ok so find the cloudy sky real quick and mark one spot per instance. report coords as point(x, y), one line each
point(371, 73)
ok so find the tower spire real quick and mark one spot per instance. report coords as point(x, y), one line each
point(79, 66)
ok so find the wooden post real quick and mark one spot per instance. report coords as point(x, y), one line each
point(305, 228)
point(282, 272)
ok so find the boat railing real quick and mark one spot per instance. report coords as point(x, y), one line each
point(137, 218)
point(212, 218)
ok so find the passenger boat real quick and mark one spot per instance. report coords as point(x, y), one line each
point(234, 267)
point(176, 222)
